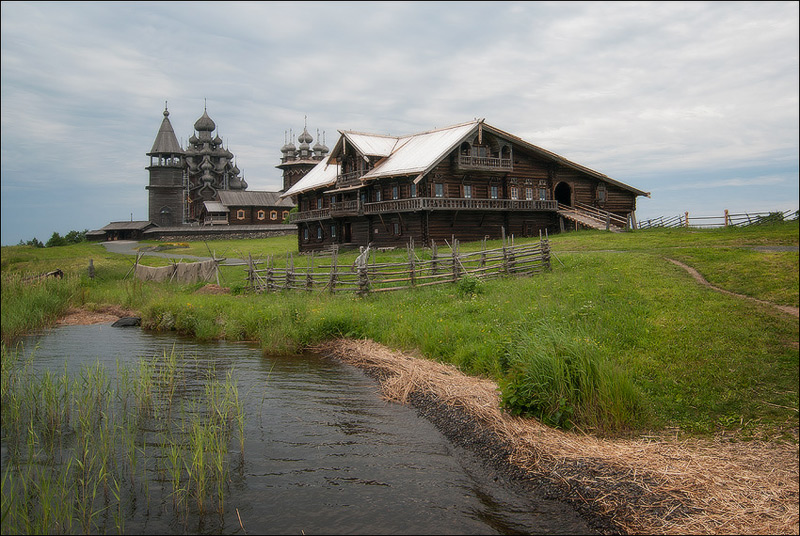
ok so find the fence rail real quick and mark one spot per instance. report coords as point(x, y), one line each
point(725, 220)
point(366, 275)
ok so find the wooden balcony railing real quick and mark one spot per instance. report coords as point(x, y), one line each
point(349, 179)
point(352, 208)
point(215, 220)
point(448, 203)
point(484, 162)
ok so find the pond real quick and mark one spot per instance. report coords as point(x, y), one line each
point(319, 452)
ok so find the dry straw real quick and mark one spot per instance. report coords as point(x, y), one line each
point(647, 485)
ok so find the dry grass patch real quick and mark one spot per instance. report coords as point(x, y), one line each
point(654, 485)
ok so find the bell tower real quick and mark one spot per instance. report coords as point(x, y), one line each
point(166, 188)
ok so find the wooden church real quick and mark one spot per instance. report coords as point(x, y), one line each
point(469, 181)
point(201, 185)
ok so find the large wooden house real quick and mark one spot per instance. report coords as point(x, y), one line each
point(469, 181)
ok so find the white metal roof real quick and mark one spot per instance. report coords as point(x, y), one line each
point(323, 174)
point(371, 144)
point(420, 152)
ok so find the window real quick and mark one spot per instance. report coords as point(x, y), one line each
point(395, 192)
point(542, 194)
point(396, 228)
point(378, 194)
point(319, 233)
point(333, 231)
point(305, 234)
point(413, 190)
point(529, 194)
point(439, 189)
point(261, 214)
point(467, 191)
point(273, 215)
point(319, 203)
point(240, 214)
point(514, 192)
point(601, 193)
point(495, 191)
point(285, 214)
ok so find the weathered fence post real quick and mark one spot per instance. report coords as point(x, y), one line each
point(309, 273)
point(505, 257)
point(686, 216)
point(289, 272)
point(412, 275)
point(433, 258)
point(250, 272)
point(332, 280)
point(454, 247)
point(726, 217)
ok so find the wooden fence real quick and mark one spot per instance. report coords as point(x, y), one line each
point(725, 220)
point(366, 275)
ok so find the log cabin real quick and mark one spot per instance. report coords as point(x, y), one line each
point(470, 181)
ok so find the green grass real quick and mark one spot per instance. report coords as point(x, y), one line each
point(614, 339)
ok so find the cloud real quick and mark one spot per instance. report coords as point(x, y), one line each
point(634, 90)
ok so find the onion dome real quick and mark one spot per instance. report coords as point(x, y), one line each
point(204, 124)
point(305, 138)
point(318, 147)
point(218, 140)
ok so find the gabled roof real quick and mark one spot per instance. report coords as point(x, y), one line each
point(418, 154)
point(127, 225)
point(549, 155)
point(366, 144)
point(232, 198)
point(215, 206)
point(323, 174)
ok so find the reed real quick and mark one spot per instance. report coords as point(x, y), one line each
point(76, 482)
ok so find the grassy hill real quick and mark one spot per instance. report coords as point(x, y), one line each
point(614, 339)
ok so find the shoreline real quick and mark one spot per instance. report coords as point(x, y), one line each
point(653, 484)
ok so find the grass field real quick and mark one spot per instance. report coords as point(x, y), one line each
point(614, 339)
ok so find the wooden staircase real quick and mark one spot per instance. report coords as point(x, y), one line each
point(593, 217)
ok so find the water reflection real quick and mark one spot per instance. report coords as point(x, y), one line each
point(323, 453)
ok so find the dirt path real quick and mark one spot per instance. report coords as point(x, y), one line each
point(702, 280)
point(648, 485)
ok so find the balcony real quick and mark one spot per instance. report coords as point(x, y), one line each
point(343, 180)
point(448, 203)
point(355, 208)
point(484, 163)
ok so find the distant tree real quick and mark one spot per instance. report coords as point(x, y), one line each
point(75, 237)
point(35, 243)
point(55, 240)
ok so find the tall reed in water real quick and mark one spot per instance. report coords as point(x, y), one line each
point(81, 448)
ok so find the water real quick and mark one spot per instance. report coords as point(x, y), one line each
point(323, 452)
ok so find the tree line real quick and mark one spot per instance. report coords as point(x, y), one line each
point(72, 237)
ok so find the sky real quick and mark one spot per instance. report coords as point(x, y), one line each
point(696, 102)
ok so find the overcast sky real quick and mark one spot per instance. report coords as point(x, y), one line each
point(694, 102)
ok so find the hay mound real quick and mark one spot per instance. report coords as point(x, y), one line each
point(647, 485)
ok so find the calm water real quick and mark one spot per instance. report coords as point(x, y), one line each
point(323, 453)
